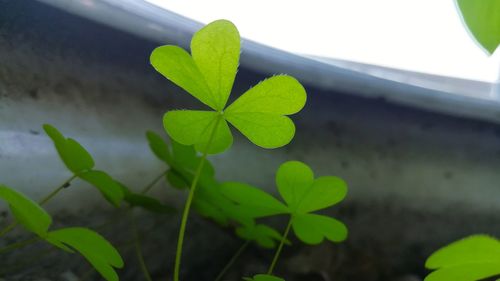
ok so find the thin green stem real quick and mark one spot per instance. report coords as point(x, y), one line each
point(46, 199)
point(148, 187)
point(280, 248)
point(232, 261)
point(189, 201)
point(19, 244)
point(55, 191)
point(138, 250)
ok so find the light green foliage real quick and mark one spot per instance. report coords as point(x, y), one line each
point(28, 213)
point(303, 194)
point(473, 258)
point(209, 201)
point(80, 162)
point(208, 75)
point(98, 252)
point(74, 156)
point(102, 255)
point(482, 18)
point(105, 184)
point(263, 235)
point(263, 277)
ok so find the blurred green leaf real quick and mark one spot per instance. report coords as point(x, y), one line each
point(159, 147)
point(96, 249)
point(482, 18)
point(195, 127)
point(28, 213)
point(147, 203)
point(263, 235)
point(257, 202)
point(263, 277)
point(111, 191)
point(74, 156)
point(473, 258)
point(176, 180)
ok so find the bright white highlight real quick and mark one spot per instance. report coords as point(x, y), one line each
point(424, 36)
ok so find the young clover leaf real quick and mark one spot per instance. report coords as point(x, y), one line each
point(302, 194)
point(80, 162)
point(263, 277)
point(263, 235)
point(26, 212)
point(96, 249)
point(473, 258)
point(208, 75)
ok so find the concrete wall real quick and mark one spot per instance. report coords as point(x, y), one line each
point(416, 179)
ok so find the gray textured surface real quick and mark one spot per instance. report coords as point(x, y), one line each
point(416, 179)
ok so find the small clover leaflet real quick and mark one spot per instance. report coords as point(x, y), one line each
point(303, 195)
point(208, 75)
point(81, 164)
point(26, 212)
point(473, 258)
point(263, 277)
point(99, 252)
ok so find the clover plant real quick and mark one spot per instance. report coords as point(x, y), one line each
point(208, 75)
point(260, 114)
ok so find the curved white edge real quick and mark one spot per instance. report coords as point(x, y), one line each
point(154, 23)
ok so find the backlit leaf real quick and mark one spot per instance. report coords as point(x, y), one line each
point(216, 50)
point(28, 213)
point(312, 228)
point(192, 127)
point(105, 184)
point(97, 250)
point(258, 113)
point(74, 156)
point(179, 67)
point(483, 21)
point(294, 179)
